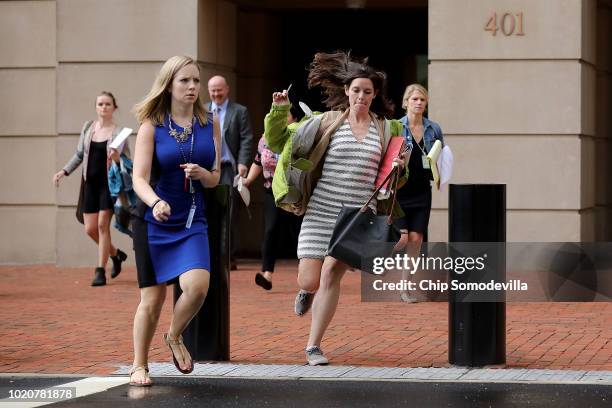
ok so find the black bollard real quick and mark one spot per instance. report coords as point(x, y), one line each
point(207, 335)
point(477, 330)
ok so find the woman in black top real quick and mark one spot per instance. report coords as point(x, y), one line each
point(415, 196)
point(95, 204)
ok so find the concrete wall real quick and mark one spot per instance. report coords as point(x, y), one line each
point(119, 48)
point(27, 131)
point(56, 56)
point(141, 38)
point(519, 110)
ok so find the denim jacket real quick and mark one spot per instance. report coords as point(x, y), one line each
point(120, 179)
point(432, 133)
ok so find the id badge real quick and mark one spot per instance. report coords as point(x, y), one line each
point(190, 217)
point(425, 162)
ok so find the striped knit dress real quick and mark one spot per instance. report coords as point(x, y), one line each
point(348, 176)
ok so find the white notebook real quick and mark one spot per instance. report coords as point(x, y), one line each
point(244, 192)
point(121, 138)
point(445, 165)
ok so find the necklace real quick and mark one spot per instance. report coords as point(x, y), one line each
point(180, 137)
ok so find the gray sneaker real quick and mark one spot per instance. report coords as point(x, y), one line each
point(303, 301)
point(314, 356)
point(408, 298)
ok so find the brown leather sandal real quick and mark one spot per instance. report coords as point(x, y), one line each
point(139, 384)
point(177, 342)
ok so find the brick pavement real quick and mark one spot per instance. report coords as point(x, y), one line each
point(52, 321)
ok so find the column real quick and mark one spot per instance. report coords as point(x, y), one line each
point(27, 131)
point(512, 83)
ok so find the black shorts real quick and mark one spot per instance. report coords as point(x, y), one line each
point(96, 197)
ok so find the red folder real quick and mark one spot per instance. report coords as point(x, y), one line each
point(394, 149)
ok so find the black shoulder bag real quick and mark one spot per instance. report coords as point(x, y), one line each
point(359, 234)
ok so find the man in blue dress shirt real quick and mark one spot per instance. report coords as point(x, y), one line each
point(237, 138)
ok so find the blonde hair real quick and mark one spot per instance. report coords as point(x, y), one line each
point(156, 105)
point(410, 89)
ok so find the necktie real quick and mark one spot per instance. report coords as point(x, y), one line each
point(224, 147)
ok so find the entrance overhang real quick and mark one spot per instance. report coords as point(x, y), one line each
point(328, 4)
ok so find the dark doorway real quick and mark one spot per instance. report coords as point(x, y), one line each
point(394, 40)
point(275, 46)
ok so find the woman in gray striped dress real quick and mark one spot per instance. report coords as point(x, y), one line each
point(348, 173)
point(340, 185)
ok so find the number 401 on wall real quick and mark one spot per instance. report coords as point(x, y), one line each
point(509, 24)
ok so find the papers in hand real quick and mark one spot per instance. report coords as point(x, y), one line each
point(441, 163)
point(445, 165)
point(307, 111)
point(432, 157)
point(120, 139)
point(395, 148)
point(244, 192)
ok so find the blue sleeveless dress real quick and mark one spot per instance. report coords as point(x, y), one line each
point(173, 248)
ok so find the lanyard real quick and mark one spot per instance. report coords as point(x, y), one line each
point(190, 149)
point(424, 151)
point(186, 160)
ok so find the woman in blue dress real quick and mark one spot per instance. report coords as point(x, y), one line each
point(176, 156)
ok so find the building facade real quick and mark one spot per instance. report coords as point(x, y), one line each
point(521, 88)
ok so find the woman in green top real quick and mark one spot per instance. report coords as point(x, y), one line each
point(351, 141)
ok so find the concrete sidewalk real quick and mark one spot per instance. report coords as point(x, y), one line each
point(52, 321)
